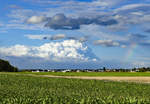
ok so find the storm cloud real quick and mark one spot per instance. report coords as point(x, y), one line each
point(60, 21)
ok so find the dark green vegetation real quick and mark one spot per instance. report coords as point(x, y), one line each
point(123, 74)
point(17, 89)
point(6, 67)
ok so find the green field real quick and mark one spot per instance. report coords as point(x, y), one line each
point(22, 89)
point(131, 74)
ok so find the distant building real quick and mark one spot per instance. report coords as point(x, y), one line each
point(77, 70)
point(35, 71)
point(64, 71)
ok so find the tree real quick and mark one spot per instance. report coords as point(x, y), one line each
point(104, 69)
point(6, 67)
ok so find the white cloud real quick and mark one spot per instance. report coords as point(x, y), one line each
point(123, 46)
point(23, 26)
point(1, 24)
point(132, 14)
point(58, 36)
point(40, 37)
point(48, 36)
point(36, 19)
point(76, 8)
point(107, 43)
point(78, 3)
point(20, 17)
point(81, 9)
point(17, 50)
point(3, 31)
point(140, 64)
point(14, 7)
point(132, 7)
point(106, 3)
point(66, 50)
point(99, 32)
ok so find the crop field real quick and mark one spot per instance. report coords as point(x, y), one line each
point(22, 89)
point(93, 74)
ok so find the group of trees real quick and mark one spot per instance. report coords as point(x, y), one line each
point(143, 69)
point(6, 67)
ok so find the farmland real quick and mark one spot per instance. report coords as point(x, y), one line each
point(23, 89)
point(92, 74)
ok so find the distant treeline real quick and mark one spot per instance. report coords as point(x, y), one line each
point(6, 67)
point(142, 69)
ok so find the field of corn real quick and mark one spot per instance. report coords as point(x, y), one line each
point(21, 89)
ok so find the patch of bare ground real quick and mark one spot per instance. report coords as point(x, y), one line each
point(124, 79)
point(110, 78)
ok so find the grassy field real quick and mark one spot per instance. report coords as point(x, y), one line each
point(130, 74)
point(21, 89)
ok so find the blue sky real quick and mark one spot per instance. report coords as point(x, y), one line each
point(75, 33)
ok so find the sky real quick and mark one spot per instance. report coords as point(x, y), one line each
point(55, 34)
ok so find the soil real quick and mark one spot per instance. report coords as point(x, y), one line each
point(125, 79)
point(120, 79)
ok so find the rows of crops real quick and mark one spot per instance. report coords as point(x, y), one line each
point(17, 89)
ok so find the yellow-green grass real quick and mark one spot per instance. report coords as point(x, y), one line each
point(120, 74)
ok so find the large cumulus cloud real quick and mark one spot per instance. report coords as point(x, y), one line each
point(55, 51)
